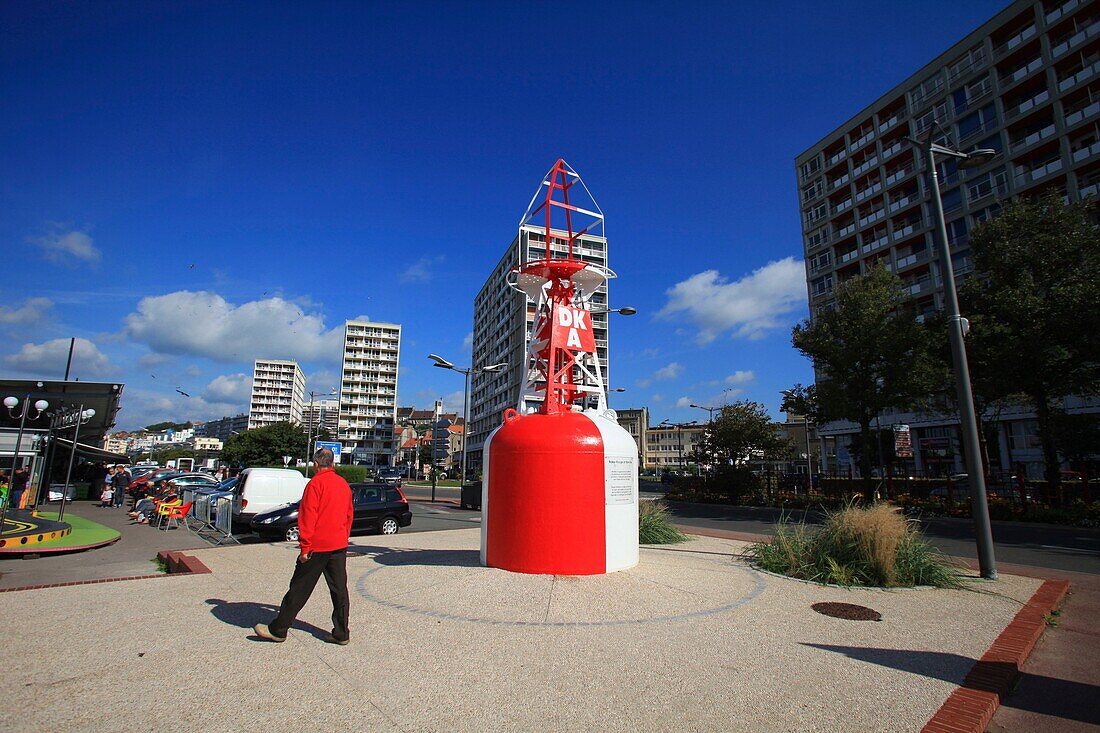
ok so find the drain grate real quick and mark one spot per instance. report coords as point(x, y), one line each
point(847, 611)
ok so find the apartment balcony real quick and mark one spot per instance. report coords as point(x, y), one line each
point(1022, 72)
point(872, 217)
point(1085, 152)
point(1030, 139)
point(842, 206)
point(899, 174)
point(863, 140)
point(820, 265)
point(918, 287)
point(848, 257)
point(1028, 104)
point(865, 166)
point(869, 191)
point(891, 122)
point(1059, 12)
point(899, 204)
point(1074, 79)
point(906, 230)
point(1075, 118)
point(1077, 39)
point(911, 259)
point(838, 156)
point(892, 150)
point(1090, 190)
point(838, 182)
point(1026, 176)
point(1016, 41)
point(874, 244)
point(844, 232)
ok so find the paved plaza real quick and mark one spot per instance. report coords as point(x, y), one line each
point(690, 639)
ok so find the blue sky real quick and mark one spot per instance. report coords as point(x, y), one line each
point(189, 186)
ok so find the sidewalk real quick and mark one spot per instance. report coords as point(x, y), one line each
point(132, 554)
point(691, 639)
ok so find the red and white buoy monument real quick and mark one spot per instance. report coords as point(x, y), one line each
point(560, 476)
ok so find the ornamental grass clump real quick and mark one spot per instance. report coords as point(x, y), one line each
point(655, 527)
point(872, 546)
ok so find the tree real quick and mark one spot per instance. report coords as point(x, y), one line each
point(741, 432)
point(870, 354)
point(160, 426)
point(265, 446)
point(1035, 324)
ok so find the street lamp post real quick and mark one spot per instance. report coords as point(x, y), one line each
point(309, 425)
point(465, 371)
point(11, 403)
point(67, 419)
point(957, 328)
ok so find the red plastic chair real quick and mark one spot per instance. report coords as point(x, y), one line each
point(170, 512)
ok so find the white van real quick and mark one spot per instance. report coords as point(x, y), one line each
point(260, 490)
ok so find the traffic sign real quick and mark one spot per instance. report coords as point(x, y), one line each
point(333, 446)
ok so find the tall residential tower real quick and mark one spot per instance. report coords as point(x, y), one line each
point(1026, 84)
point(278, 391)
point(368, 392)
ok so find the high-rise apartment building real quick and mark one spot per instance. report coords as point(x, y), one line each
point(278, 391)
point(223, 428)
point(502, 322)
point(1026, 84)
point(636, 422)
point(368, 392)
point(322, 414)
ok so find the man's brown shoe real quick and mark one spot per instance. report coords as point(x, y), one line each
point(265, 633)
point(330, 639)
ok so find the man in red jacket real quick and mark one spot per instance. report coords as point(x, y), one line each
point(324, 525)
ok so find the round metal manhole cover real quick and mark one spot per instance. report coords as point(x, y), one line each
point(847, 611)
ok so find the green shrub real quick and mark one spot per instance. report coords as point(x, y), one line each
point(351, 474)
point(873, 546)
point(655, 527)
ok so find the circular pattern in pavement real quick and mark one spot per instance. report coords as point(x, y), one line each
point(452, 585)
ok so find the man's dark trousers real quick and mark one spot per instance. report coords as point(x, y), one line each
point(306, 574)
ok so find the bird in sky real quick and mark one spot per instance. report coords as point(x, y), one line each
point(182, 392)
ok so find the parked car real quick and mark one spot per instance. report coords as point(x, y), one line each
point(378, 508)
point(387, 475)
point(260, 490)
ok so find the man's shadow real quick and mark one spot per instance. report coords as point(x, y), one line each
point(246, 614)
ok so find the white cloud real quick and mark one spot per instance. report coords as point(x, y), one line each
point(205, 324)
point(741, 376)
point(761, 301)
point(154, 360)
point(468, 341)
point(420, 271)
point(643, 383)
point(48, 359)
point(671, 371)
point(321, 382)
point(684, 402)
point(145, 407)
point(231, 388)
point(65, 247)
point(657, 398)
point(33, 311)
point(453, 402)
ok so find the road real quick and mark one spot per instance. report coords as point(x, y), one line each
point(1040, 545)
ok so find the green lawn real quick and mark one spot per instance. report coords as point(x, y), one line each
point(85, 532)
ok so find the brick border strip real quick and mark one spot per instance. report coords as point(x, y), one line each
point(971, 706)
point(178, 563)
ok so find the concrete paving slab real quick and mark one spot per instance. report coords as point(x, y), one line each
point(441, 644)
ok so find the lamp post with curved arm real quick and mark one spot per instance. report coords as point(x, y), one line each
point(11, 403)
point(466, 371)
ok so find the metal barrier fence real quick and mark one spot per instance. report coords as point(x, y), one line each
point(214, 517)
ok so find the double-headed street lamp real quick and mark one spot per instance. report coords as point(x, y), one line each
point(467, 371)
point(11, 403)
point(309, 423)
point(957, 328)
